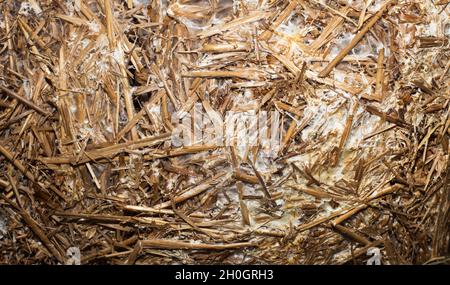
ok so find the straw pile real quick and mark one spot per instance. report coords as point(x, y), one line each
point(88, 89)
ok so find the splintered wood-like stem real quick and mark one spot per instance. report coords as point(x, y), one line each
point(260, 180)
point(243, 74)
point(131, 123)
point(286, 107)
point(379, 132)
point(363, 13)
point(346, 231)
point(244, 177)
point(290, 132)
point(332, 26)
point(166, 87)
point(348, 214)
point(358, 37)
point(107, 152)
point(222, 48)
point(9, 40)
point(242, 205)
point(401, 123)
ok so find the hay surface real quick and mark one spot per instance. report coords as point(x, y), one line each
point(88, 89)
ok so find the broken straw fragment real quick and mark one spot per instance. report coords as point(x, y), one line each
point(353, 42)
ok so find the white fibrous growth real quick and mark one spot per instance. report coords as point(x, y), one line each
point(118, 55)
point(3, 230)
point(27, 88)
point(294, 27)
point(341, 42)
point(376, 6)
